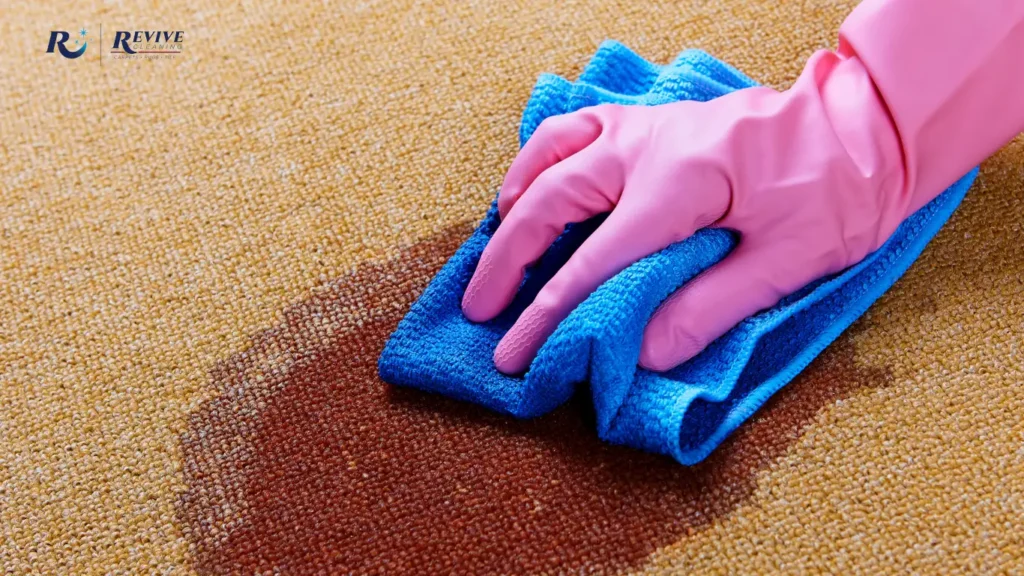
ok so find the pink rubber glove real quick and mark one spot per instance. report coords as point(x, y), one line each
point(813, 178)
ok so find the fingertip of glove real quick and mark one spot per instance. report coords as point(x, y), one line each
point(663, 350)
point(517, 349)
point(509, 356)
point(474, 306)
point(654, 362)
point(470, 309)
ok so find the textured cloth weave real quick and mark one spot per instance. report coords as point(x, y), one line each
point(685, 412)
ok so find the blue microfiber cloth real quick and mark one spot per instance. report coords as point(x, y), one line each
point(687, 411)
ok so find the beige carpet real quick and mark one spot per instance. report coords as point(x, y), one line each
point(201, 256)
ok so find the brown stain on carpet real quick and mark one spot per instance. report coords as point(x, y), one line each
point(305, 462)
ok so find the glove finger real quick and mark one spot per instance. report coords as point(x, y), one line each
point(621, 240)
point(584, 185)
point(556, 139)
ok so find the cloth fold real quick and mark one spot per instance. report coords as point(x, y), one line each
point(686, 412)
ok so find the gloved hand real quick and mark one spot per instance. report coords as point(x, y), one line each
point(813, 178)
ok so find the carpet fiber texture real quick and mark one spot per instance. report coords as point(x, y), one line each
point(202, 256)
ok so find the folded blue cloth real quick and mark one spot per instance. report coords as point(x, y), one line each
point(685, 412)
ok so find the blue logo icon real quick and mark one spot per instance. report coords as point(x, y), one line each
point(58, 38)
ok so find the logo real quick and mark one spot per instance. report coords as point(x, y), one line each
point(127, 44)
point(149, 44)
point(58, 38)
